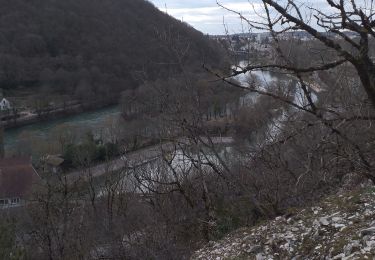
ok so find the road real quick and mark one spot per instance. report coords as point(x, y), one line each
point(136, 158)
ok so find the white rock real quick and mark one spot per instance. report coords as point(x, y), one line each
point(294, 229)
point(368, 232)
point(316, 223)
point(324, 221)
point(339, 225)
point(254, 249)
point(336, 219)
point(260, 256)
point(370, 243)
point(340, 256)
point(348, 249)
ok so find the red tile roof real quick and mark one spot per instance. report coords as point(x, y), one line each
point(17, 176)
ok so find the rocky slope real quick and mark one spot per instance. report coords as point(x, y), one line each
point(340, 227)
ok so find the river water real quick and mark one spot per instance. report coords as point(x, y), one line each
point(95, 121)
point(88, 121)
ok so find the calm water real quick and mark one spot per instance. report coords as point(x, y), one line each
point(96, 120)
point(93, 121)
point(263, 79)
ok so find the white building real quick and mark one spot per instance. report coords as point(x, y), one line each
point(5, 104)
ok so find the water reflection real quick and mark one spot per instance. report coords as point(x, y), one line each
point(95, 121)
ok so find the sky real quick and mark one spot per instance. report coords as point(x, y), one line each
point(205, 15)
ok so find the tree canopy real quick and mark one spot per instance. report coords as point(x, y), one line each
point(66, 44)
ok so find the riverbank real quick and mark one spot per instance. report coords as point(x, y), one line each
point(58, 113)
point(43, 132)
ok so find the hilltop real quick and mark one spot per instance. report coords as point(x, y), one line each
point(92, 48)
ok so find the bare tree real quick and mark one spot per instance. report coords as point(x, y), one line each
point(330, 29)
point(339, 45)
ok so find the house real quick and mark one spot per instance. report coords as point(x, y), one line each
point(52, 163)
point(17, 176)
point(5, 105)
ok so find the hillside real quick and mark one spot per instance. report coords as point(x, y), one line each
point(339, 227)
point(92, 48)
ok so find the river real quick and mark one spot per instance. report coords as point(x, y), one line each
point(95, 121)
point(263, 80)
point(88, 121)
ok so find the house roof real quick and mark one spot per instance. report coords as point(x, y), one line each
point(4, 100)
point(53, 160)
point(17, 176)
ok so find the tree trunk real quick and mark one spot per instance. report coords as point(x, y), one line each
point(366, 72)
point(2, 151)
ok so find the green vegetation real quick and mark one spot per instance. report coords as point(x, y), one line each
point(88, 151)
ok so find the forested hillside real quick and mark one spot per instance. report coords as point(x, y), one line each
point(92, 47)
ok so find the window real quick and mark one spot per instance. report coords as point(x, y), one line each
point(15, 201)
point(4, 202)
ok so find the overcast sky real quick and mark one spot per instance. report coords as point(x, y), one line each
point(205, 15)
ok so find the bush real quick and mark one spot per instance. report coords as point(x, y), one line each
point(89, 152)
